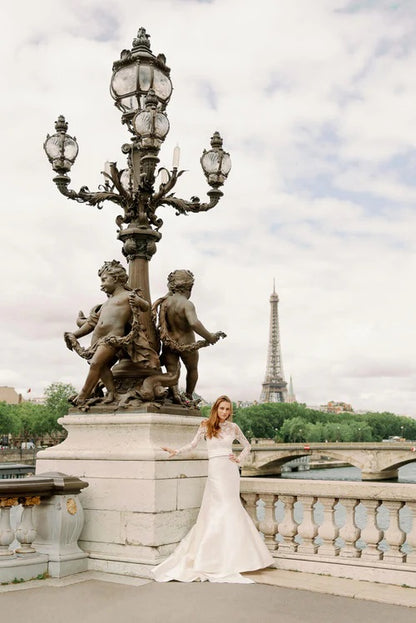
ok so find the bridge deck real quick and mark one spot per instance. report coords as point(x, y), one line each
point(282, 597)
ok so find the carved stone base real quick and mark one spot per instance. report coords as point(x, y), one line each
point(138, 505)
point(146, 407)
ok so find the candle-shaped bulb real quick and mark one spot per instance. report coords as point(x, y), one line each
point(163, 176)
point(176, 156)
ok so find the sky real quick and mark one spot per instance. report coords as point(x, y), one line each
point(316, 103)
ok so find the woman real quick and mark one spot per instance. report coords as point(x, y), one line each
point(224, 541)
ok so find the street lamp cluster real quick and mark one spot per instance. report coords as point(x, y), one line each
point(141, 87)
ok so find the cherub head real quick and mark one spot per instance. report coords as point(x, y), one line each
point(112, 274)
point(180, 281)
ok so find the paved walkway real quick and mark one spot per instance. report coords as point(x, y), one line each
point(277, 597)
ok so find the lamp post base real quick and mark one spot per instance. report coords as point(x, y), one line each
point(138, 505)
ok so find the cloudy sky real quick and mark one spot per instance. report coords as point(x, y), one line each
point(316, 102)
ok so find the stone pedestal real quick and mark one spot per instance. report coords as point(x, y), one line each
point(59, 521)
point(138, 504)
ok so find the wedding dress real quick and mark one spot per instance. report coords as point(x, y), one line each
point(224, 541)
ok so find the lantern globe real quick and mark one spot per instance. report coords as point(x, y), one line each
point(138, 71)
point(61, 148)
point(216, 163)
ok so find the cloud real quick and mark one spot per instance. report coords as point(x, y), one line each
point(315, 102)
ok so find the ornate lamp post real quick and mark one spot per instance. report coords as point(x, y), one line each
point(141, 88)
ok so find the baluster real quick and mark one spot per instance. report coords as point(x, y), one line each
point(25, 532)
point(288, 527)
point(371, 534)
point(394, 535)
point(250, 504)
point(307, 529)
point(411, 536)
point(6, 532)
point(269, 524)
point(349, 532)
point(328, 530)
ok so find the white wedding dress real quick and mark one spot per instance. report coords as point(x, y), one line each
point(224, 541)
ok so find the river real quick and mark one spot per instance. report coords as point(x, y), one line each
point(406, 474)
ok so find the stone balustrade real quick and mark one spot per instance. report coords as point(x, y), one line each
point(41, 519)
point(346, 529)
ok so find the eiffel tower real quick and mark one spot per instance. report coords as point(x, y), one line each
point(274, 386)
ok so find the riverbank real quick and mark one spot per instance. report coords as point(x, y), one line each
point(18, 455)
point(332, 464)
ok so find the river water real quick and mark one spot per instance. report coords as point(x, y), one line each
point(406, 474)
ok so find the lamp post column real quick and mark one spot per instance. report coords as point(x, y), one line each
point(139, 245)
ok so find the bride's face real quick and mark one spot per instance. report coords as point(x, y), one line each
point(224, 411)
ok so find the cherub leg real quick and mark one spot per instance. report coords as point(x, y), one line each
point(108, 379)
point(191, 364)
point(100, 365)
point(170, 360)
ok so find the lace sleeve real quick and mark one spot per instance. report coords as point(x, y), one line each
point(244, 442)
point(190, 446)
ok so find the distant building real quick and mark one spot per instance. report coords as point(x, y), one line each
point(336, 407)
point(10, 395)
point(38, 400)
point(242, 404)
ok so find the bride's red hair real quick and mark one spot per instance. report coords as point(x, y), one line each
point(213, 422)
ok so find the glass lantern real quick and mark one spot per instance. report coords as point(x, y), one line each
point(151, 124)
point(136, 73)
point(216, 163)
point(61, 148)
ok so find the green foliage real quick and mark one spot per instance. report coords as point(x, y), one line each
point(28, 421)
point(56, 406)
point(57, 395)
point(292, 422)
point(6, 418)
point(205, 410)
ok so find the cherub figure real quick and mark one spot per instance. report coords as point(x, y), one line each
point(177, 324)
point(115, 326)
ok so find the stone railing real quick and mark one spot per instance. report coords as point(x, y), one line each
point(346, 529)
point(41, 519)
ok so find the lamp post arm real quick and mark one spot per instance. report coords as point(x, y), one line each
point(194, 205)
point(84, 195)
point(157, 198)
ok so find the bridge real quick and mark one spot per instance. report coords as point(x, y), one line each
point(377, 461)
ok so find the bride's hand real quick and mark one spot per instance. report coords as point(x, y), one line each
point(233, 458)
point(170, 450)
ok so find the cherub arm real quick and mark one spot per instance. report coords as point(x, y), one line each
point(86, 325)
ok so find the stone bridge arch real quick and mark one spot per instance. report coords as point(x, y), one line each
point(376, 461)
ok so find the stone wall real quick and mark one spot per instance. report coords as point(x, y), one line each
point(15, 455)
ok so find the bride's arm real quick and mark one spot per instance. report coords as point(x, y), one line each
point(189, 446)
point(244, 442)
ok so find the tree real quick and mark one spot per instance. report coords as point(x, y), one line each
point(57, 395)
point(25, 422)
point(6, 419)
point(294, 430)
point(56, 406)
